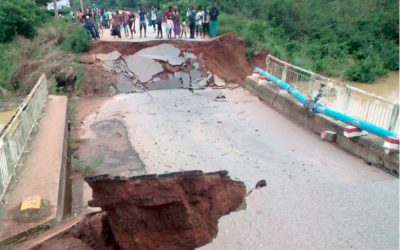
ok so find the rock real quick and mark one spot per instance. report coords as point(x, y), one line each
point(141, 209)
point(196, 65)
point(171, 68)
point(87, 59)
point(219, 82)
point(112, 91)
point(109, 57)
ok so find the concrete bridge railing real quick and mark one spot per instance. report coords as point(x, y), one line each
point(341, 97)
point(14, 137)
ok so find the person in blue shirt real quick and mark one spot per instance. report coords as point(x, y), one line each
point(213, 20)
point(142, 20)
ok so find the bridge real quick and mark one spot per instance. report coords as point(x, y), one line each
point(320, 194)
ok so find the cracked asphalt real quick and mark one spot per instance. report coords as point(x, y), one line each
point(318, 196)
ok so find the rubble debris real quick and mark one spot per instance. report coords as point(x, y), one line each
point(187, 205)
point(158, 67)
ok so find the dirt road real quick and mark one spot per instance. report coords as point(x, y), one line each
point(318, 196)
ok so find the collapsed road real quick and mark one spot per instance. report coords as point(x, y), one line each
point(318, 196)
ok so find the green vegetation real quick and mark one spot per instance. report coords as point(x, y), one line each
point(357, 39)
point(19, 17)
point(47, 47)
point(83, 168)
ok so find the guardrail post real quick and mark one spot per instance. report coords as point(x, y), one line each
point(268, 60)
point(311, 86)
point(346, 100)
point(394, 118)
point(284, 73)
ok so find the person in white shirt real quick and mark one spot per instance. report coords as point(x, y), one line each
point(199, 16)
point(153, 17)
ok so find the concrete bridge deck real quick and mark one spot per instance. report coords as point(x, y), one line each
point(41, 171)
point(318, 196)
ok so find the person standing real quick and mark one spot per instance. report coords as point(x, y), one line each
point(192, 21)
point(205, 22)
point(125, 23)
point(142, 20)
point(170, 23)
point(105, 20)
point(118, 23)
point(183, 28)
point(159, 19)
point(132, 23)
point(213, 20)
point(198, 22)
point(153, 18)
point(175, 18)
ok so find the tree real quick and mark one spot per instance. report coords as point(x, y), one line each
point(19, 17)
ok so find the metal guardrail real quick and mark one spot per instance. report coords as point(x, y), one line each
point(341, 97)
point(14, 137)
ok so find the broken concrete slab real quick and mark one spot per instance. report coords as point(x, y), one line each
point(196, 65)
point(174, 83)
point(195, 75)
point(188, 55)
point(143, 67)
point(125, 85)
point(185, 79)
point(169, 53)
point(178, 74)
point(109, 57)
point(202, 83)
point(219, 82)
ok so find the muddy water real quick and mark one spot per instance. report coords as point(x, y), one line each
point(387, 87)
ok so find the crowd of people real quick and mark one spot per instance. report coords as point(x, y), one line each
point(200, 22)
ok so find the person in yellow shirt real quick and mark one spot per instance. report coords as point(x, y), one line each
point(205, 21)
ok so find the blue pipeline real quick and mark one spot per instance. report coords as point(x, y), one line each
point(319, 108)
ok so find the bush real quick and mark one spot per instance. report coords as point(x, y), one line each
point(366, 70)
point(19, 17)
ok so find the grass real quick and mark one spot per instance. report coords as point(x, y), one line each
point(84, 168)
point(52, 52)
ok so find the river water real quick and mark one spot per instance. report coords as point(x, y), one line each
point(387, 87)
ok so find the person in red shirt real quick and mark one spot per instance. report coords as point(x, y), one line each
point(168, 19)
